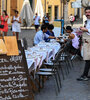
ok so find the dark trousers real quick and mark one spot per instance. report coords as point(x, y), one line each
point(87, 67)
point(69, 48)
point(72, 22)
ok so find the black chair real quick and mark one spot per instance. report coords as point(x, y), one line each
point(52, 71)
point(25, 43)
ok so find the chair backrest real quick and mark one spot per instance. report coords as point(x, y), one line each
point(58, 55)
point(25, 43)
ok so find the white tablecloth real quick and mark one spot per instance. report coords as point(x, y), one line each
point(39, 53)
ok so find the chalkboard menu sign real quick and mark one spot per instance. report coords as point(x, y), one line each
point(14, 83)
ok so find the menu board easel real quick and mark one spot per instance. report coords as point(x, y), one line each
point(14, 77)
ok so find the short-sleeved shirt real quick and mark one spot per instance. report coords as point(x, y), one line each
point(40, 37)
point(36, 22)
point(88, 26)
point(46, 20)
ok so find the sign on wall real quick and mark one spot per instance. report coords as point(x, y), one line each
point(76, 4)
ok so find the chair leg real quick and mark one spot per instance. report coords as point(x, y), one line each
point(72, 63)
point(59, 79)
point(39, 82)
point(67, 66)
point(56, 85)
point(62, 73)
point(42, 81)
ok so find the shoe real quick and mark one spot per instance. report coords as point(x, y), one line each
point(82, 78)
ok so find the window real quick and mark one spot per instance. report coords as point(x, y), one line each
point(56, 12)
point(50, 12)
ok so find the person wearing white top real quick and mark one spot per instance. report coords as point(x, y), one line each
point(84, 76)
point(36, 19)
point(71, 18)
point(16, 21)
point(40, 35)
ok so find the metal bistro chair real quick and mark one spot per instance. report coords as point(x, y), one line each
point(52, 71)
point(65, 58)
point(25, 43)
point(59, 58)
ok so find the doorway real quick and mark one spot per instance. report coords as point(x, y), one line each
point(13, 6)
point(56, 12)
point(50, 12)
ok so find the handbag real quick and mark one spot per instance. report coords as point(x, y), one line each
point(1, 26)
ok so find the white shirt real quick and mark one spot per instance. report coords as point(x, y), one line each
point(36, 22)
point(75, 41)
point(88, 26)
point(40, 37)
point(71, 18)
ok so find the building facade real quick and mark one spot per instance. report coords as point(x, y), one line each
point(10, 6)
point(55, 8)
point(75, 11)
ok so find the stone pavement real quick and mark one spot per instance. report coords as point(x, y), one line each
point(77, 23)
point(71, 88)
point(26, 33)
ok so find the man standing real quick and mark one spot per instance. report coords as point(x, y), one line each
point(84, 76)
point(36, 19)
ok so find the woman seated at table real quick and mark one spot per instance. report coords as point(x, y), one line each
point(49, 32)
point(73, 46)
